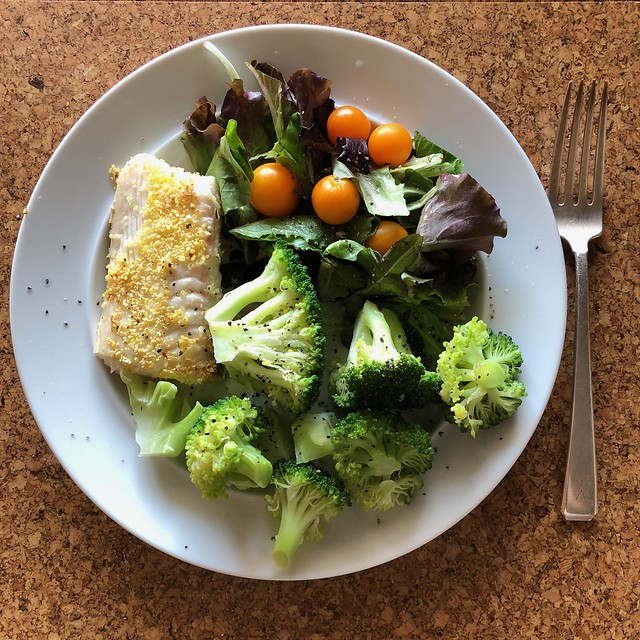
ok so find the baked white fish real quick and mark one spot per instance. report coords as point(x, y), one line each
point(163, 272)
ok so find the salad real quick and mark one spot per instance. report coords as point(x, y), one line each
point(337, 333)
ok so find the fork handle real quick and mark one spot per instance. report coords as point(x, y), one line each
point(580, 497)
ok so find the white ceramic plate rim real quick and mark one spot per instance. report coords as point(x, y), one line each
point(58, 270)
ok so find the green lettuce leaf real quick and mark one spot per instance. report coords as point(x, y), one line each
point(382, 195)
point(288, 149)
point(231, 169)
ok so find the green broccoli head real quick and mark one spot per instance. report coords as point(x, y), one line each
point(380, 371)
point(219, 452)
point(478, 369)
point(380, 458)
point(303, 496)
point(268, 333)
point(163, 418)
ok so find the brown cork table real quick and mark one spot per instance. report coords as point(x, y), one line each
point(513, 568)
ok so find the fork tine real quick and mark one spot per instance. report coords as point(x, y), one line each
point(554, 176)
point(598, 178)
point(573, 145)
point(583, 180)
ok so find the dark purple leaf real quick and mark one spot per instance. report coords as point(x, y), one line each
point(354, 152)
point(312, 95)
point(203, 121)
point(268, 69)
point(461, 217)
point(311, 92)
point(250, 110)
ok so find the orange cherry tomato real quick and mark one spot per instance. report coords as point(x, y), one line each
point(275, 191)
point(335, 200)
point(385, 236)
point(347, 122)
point(390, 144)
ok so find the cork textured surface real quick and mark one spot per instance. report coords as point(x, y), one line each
point(513, 568)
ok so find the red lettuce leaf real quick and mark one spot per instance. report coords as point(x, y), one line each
point(250, 110)
point(461, 217)
point(312, 95)
point(201, 134)
point(203, 121)
point(311, 92)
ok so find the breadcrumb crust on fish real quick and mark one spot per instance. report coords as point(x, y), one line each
point(163, 273)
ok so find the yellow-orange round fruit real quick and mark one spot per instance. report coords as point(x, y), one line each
point(347, 122)
point(275, 191)
point(390, 144)
point(335, 200)
point(385, 236)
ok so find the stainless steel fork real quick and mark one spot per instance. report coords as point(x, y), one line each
point(578, 212)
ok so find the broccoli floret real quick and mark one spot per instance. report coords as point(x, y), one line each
point(219, 452)
point(380, 371)
point(268, 333)
point(478, 369)
point(163, 418)
point(302, 497)
point(312, 435)
point(380, 458)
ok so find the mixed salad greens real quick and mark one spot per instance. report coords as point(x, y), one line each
point(349, 254)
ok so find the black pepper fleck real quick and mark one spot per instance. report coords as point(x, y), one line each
point(37, 82)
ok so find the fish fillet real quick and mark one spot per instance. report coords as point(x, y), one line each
point(163, 273)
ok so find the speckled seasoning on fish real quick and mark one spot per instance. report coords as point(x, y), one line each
point(162, 274)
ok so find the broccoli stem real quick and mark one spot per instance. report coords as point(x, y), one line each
point(252, 470)
point(232, 303)
point(271, 308)
point(312, 436)
point(381, 332)
point(295, 520)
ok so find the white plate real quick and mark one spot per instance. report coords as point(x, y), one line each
point(57, 281)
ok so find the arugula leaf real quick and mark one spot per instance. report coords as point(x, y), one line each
point(386, 275)
point(429, 312)
point(237, 148)
point(338, 279)
point(353, 251)
point(424, 147)
point(290, 152)
point(304, 232)
point(400, 257)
